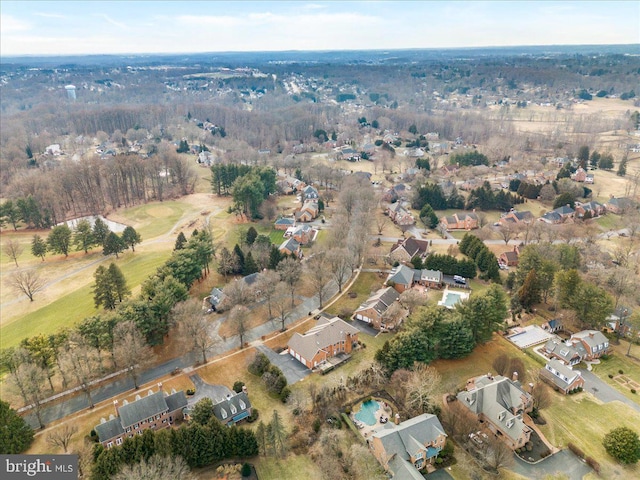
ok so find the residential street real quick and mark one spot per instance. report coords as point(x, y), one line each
point(603, 391)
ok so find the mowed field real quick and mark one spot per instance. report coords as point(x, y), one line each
point(67, 297)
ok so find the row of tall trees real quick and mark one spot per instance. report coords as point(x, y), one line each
point(485, 259)
point(436, 332)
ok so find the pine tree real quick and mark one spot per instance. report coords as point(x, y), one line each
point(83, 237)
point(119, 282)
point(529, 292)
point(38, 247)
point(240, 256)
point(130, 237)
point(180, 241)
point(251, 236)
point(59, 240)
point(100, 231)
point(112, 244)
point(103, 291)
point(250, 265)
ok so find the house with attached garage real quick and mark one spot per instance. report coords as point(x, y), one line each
point(307, 212)
point(283, 223)
point(400, 215)
point(403, 278)
point(500, 403)
point(372, 311)
point(561, 377)
point(460, 221)
point(330, 337)
point(290, 247)
point(233, 409)
point(567, 353)
point(405, 448)
point(154, 411)
point(595, 344)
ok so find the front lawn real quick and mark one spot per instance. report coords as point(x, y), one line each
point(293, 466)
point(616, 363)
point(366, 283)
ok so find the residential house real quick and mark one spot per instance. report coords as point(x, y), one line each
point(580, 175)
point(617, 322)
point(405, 249)
point(290, 247)
point(552, 326)
point(619, 205)
point(460, 221)
point(567, 353)
point(449, 170)
point(233, 409)
point(594, 342)
point(500, 403)
point(405, 448)
point(561, 377)
point(303, 234)
point(215, 298)
point(559, 215)
point(283, 223)
point(590, 178)
point(307, 212)
point(154, 411)
point(372, 311)
point(395, 193)
point(401, 278)
point(349, 154)
point(310, 193)
point(517, 217)
point(590, 209)
point(400, 216)
point(330, 337)
point(428, 278)
point(510, 258)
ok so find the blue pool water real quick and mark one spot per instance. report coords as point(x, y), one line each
point(452, 299)
point(367, 412)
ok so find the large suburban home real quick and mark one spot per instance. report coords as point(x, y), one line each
point(405, 448)
point(310, 193)
point(307, 212)
point(290, 247)
point(460, 221)
point(561, 377)
point(372, 311)
point(283, 223)
point(405, 249)
point(400, 215)
point(558, 215)
point(590, 209)
point(580, 175)
point(215, 298)
point(619, 205)
point(567, 353)
point(594, 342)
point(154, 411)
point(517, 217)
point(330, 337)
point(233, 409)
point(302, 234)
point(500, 403)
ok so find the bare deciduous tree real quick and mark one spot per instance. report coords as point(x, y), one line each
point(266, 284)
point(27, 282)
point(238, 319)
point(28, 380)
point(131, 351)
point(423, 383)
point(157, 466)
point(281, 304)
point(13, 249)
point(318, 273)
point(507, 231)
point(82, 363)
point(61, 437)
point(340, 263)
point(498, 454)
point(194, 326)
point(237, 292)
point(290, 271)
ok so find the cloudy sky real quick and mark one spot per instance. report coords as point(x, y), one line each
point(83, 27)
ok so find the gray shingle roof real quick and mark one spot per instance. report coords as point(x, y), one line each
point(231, 406)
point(326, 332)
point(142, 409)
point(381, 300)
point(289, 244)
point(401, 275)
point(176, 401)
point(561, 372)
point(110, 429)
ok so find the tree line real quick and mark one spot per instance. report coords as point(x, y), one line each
point(485, 259)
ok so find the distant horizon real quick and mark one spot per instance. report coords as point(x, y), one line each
point(82, 28)
point(239, 52)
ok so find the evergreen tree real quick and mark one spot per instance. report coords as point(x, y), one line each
point(180, 241)
point(112, 244)
point(277, 435)
point(118, 281)
point(38, 247)
point(251, 236)
point(83, 237)
point(15, 434)
point(100, 231)
point(250, 265)
point(529, 292)
point(59, 240)
point(104, 293)
point(130, 237)
point(240, 256)
point(428, 216)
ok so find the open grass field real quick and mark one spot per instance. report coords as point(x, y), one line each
point(366, 283)
point(294, 466)
point(152, 219)
point(71, 308)
point(630, 367)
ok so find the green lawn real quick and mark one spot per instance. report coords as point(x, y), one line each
point(157, 218)
point(582, 420)
point(363, 286)
point(294, 466)
point(78, 304)
point(609, 222)
point(612, 366)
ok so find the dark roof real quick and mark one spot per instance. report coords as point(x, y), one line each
point(511, 256)
point(250, 279)
point(285, 221)
point(231, 406)
point(564, 210)
point(142, 409)
point(109, 429)
point(526, 215)
point(176, 401)
point(216, 297)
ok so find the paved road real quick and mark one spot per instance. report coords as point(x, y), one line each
point(605, 392)
point(563, 462)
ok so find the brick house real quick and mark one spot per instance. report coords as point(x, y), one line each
point(283, 223)
point(401, 278)
point(501, 404)
point(405, 249)
point(619, 205)
point(373, 310)
point(561, 377)
point(594, 208)
point(460, 221)
point(594, 343)
point(307, 212)
point(330, 337)
point(580, 175)
point(518, 217)
point(510, 258)
point(290, 247)
point(400, 215)
point(154, 411)
point(404, 448)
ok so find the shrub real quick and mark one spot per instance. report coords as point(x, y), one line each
point(580, 389)
point(316, 425)
point(254, 415)
point(620, 372)
point(593, 464)
point(633, 390)
point(439, 460)
point(611, 375)
point(191, 391)
point(347, 409)
point(237, 386)
point(366, 399)
point(575, 450)
point(259, 365)
point(284, 393)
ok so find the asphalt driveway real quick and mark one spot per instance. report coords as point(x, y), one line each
point(216, 393)
point(293, 370)
point(563, 462)
point(603, 391)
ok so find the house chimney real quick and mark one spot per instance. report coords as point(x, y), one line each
point(160, 386)
point(515, 376)
point(115, 405)
point(590, 334)
point(397, 419)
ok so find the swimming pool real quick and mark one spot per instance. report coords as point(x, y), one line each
point(367, 412)
point(452, 298)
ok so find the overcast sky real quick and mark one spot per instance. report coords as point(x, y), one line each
point(85, 27)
